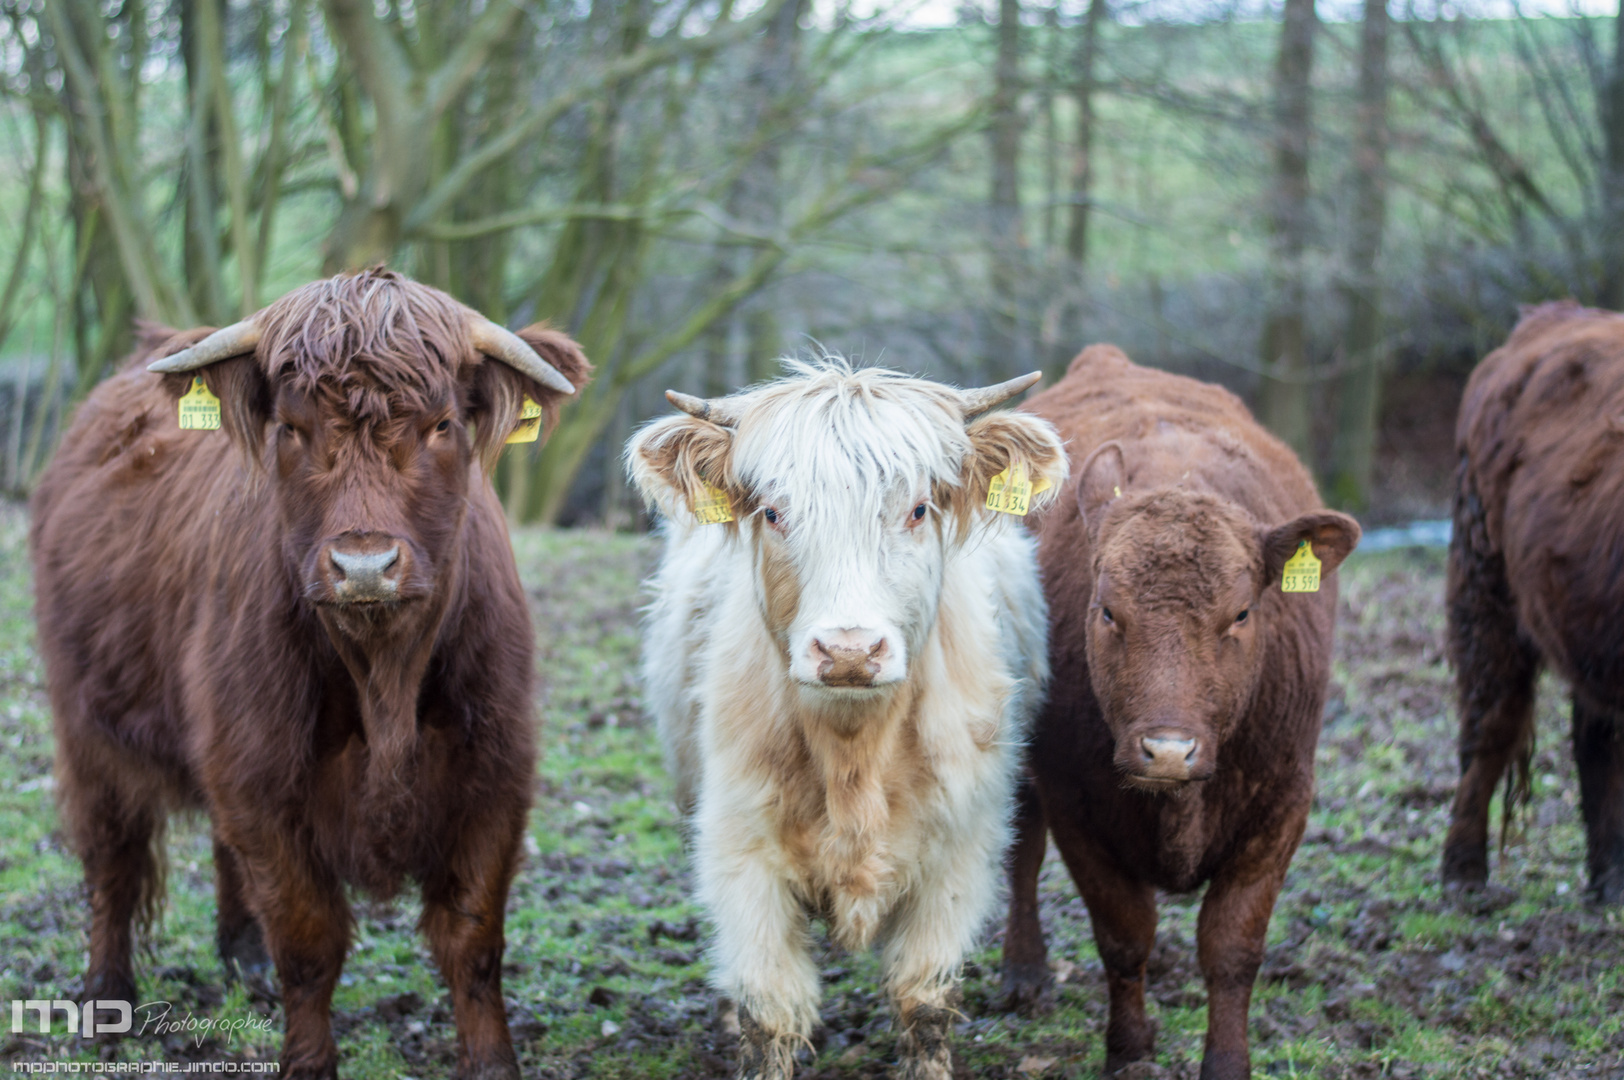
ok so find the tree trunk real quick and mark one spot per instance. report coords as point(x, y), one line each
point(1006, 240)
point(1284, 344)
point(1612, 225)
point(1360, 402)
point(1082, 186)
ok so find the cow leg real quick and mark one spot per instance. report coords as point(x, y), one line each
point(1230, 938)
point(463, 912)
point(1027, 985)
point(762, 960)
point(1122, 911)
point(1495, 673)
point(237, 936)
point(306, 922)
point(115, 832)
point(1598, 750)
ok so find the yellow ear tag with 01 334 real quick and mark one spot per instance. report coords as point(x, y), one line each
point(1010, 492)
point(1302, 571)
point(529, 423)
point(199, 409)
point(712, 507)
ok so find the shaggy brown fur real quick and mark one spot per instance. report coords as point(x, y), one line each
point(1536, 574)
point(1181, 516)
point(198, 655)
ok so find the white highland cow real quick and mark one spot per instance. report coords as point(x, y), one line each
point(843, 654)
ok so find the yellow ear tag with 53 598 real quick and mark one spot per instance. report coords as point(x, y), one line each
point(199, 409)
point(712, 508)
point(1302, 571)
point(1011, 492)
point(529, 423)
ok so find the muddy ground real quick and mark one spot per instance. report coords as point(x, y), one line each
point(1371, 970)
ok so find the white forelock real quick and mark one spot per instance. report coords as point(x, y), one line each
point(829, 427)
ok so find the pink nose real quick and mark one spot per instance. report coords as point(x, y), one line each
point(848, 657)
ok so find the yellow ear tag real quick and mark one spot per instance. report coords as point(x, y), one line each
point(1012, 494)
point(199, 409)
point(1301, 572)
point(714, 508)
point(529, 423)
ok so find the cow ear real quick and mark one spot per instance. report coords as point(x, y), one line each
point(676, 460)
point(1000, 441)
point(1332, 535)
point(1099, 482)
point(238, 381)
point(497, 392)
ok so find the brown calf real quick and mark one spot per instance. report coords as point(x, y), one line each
point(1536, 574)
point(309, 624)
point(1177, 744)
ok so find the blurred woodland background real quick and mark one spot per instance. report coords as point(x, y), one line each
point(1333, 210)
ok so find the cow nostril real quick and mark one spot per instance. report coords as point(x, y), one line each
point(366, 575)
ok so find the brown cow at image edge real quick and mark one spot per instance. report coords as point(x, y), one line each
point(309, 624)
point(1536, 576)
point(1177, 744)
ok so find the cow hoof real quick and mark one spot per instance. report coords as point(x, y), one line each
point(108, 987)
point(243, 954)
point(1140, 1070)
point(1481, 899)
point(1465, 868)
point(924, 1048)
point(763, 1055)
point(496, 1070)
point(1608, 889)
point(1028, 989)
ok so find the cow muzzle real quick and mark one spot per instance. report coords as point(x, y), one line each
point(363, 569)
point(1165, 757)
point(849, 658)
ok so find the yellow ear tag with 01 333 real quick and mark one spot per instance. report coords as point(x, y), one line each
point(712, 507)
point(199, 409)
point(1302, 571)
point(529, 423)
point(1010, 492)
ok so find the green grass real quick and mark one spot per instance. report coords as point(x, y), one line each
point(1371, 971)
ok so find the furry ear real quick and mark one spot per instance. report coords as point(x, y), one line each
point(998, 441)
point(238, 381)
point(1100, 481)
point(1332, 535)
point(496, 392)
point(673, 459)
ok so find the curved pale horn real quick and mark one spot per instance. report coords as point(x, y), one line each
point(717, 411)
point(979, 401)
point(228, 341)
point(503, 344)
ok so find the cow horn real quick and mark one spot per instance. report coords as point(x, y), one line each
point(233, 340)
point(503, 344)
point(704, 408)
point(979, 401)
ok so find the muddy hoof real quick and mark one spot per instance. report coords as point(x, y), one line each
point(1607, 889)
point(245, 959)
point(1028, 989)
point(1141, 1070)
point(924, 1047)
point(109, 988)
point(1465, 869)
point(1481, 899)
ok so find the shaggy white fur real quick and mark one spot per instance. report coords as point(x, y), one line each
point(883, 807)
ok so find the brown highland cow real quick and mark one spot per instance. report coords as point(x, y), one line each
point(1536, 574)
point(309, 624)
point(1177, 744)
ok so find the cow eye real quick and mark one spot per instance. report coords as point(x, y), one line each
point(1105, 613)
point(443, 426)
point(771, 515)
point(919, 512)
point(1241, 618)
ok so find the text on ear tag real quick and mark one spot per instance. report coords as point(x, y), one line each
point(1301, 572)
point(199, 409)
point(529, 423)
point(1010, 492)
point(713, 508)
